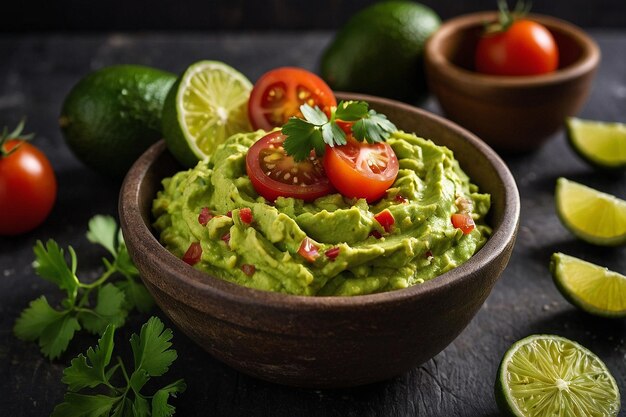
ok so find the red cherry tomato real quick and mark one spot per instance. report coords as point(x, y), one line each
point(525, 48)
point(274, 173)
point(28, 187)
point(464, 222)
point(361, 170)
point(279, 93)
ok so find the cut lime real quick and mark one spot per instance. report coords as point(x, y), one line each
point(590, 287)
point(550, 376)
point(591, 215)
point(602, 144)
point(207, 104)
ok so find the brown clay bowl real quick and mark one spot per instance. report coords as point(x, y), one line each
point(512, 114)
point(325, 341)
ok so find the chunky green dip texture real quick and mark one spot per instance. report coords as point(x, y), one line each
point(423, 243)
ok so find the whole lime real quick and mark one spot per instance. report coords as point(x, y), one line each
point(113, 114)
point(380, 51)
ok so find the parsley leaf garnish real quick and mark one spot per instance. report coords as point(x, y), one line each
point(316, 130)
point(92, 306)
point(152, 357)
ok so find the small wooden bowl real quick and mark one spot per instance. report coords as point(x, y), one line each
point(325, 341)
point(512, 114)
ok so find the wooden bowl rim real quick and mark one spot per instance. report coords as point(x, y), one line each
point(587, 62)
point(187, 279)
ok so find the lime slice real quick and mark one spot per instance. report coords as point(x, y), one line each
point(602, 144)
point(591, 215)
point(590, 287)
point(207, 104)
point(550, 376)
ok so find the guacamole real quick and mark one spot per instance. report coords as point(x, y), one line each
point(356, 254)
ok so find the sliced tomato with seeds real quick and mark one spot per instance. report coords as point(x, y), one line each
point(308, 250)
point(360, 169)
point(463, 221)
point(279, 93)
point(275, 174)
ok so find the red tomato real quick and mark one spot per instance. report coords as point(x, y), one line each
point(279, 93)
point(386, 220)
point(28, 187)
point(308, 250)
point(463, 221)
point(245, 214)
point(361, 170)
point(274, 173)
point(525, 48)
point(193, 254)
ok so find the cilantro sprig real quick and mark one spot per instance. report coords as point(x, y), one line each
point(92, 306)
point(317, 130)
point(112, 389)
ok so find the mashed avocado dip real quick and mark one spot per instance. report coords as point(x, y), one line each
point(421, 244)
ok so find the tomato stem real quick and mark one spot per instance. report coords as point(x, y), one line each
point(506, 17)
point(15, 134)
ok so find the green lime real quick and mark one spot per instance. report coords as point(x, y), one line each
point(602, 144)
point(591, 215)
point(591, 287)
point(550, 376)
point(112, 115)
point(380, 51)
point(208, 103)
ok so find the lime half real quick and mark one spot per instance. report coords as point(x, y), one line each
point(602, 144)
point(207, 104)
point(550, 376)
point(590, 287)
point(591, 215)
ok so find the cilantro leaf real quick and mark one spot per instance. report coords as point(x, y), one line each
point(50, 264)
point(151, 349)
point(109, 310)
point(91, 372)
point(82, 373)
point(350, 111)
point(301, 138)
point(80, 405)
point(53, 328)
point(136, 296)
point(160, 407)
point(103, 231)
point(373, 128)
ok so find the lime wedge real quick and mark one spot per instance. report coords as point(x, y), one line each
point(602, 144)
point(208, 103)
point(591, 215)
point(550, 376)
point(590, 287)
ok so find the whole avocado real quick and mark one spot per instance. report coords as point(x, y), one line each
point(113, 114)
point(379, 51)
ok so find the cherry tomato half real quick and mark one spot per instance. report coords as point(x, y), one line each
point(361, 170)
point(274, 173)
point(525, 48)
point(279, 93)
point(28, 187)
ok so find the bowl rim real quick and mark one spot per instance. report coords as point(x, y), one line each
point(191, 279)
point(587, 62)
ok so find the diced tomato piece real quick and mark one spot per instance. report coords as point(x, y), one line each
point(248, 269)
point(245, 214)
point(386, 220)
point(193, 254)
point(464, 222)
point(376, 234)
point(204, 216)
point(400, 199)
point(332, 253)
point(226, 238)
point(309, 250)
point(428, 254)
point(229, 213)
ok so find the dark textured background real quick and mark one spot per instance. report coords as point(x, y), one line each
point(38, 69)
point(265, 15)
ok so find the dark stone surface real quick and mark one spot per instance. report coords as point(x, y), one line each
point(37, 71)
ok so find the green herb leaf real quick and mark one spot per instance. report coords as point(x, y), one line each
point(373, 128)
point(350, 111)
point(151, 349)
point(109, 310)
point(50, 264)
point(136, 296)
point(160, 407)
point(82, 373)
point(80, 405)
point(313, 115)
point(302, 137)
point(54, 329)
point(103, 231)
